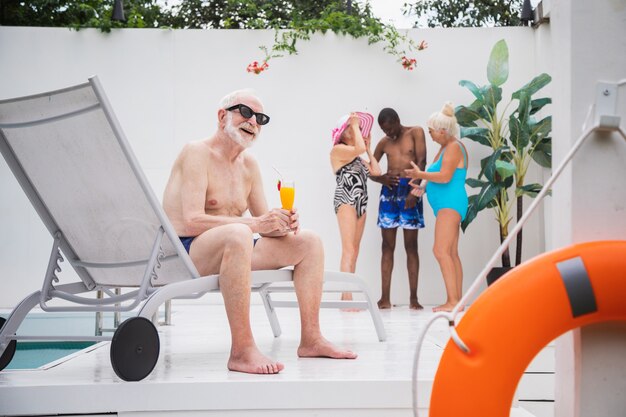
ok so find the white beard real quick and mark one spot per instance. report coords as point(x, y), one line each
point(234, 133)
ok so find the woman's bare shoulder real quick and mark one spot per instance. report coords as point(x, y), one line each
point(452, 149)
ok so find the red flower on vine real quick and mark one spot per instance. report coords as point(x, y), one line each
point(408, 63)
point(256, 68)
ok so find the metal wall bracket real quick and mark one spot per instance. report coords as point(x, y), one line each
point(606, 117)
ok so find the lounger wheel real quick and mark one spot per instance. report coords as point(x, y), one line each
point(8, 353)
point(135, 349)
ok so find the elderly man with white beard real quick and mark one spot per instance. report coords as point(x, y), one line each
point(212, 184)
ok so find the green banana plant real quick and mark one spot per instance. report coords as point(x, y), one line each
point(516, 138)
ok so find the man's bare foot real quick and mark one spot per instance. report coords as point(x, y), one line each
point(415, 305)
point(322, 348)
point(347, 296)
point(445, 307)
point(252, 361)
point(384, 304)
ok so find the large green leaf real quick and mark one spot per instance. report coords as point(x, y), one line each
point(505, 169)
point(537, 104)
point(531, 190)
point(483, 164)
point(508, 182)
point(541, 129)
point(474, 183)
point(486, 196)
point(543, 153)
point(523, 108)
point(479, 107)
point(535, 85)
point(472, 211)
point(488, 167)
point(466, 116)
point(477, 134)
point(493, 96)
point(498, 66)
point(472, 87)
point(493, 203)
point(518, 133)
point(489, 164)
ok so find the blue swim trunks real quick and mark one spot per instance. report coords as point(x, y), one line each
point(391, 211)
point(186, 241)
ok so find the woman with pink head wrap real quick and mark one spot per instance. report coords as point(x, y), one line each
point(351, 138)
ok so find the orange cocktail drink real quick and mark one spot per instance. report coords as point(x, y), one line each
point(287, 194)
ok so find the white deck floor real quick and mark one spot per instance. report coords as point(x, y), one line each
point(191, 378)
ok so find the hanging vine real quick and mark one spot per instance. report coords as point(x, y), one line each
point(357, 25)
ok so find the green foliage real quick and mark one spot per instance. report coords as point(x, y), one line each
point(198, 14)
point(256, 14)
point(76, 15)
point(231, 14)
point(357, 23)
point(465, 13)
point(515, 139)
point(498, 67)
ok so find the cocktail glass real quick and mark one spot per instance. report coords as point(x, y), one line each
point(287, 193)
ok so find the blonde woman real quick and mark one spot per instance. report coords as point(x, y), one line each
point(351, 170)
point(444, 184)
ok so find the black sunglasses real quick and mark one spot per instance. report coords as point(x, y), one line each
point(247, 112)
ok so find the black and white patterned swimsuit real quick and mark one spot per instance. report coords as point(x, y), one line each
point(352, 186)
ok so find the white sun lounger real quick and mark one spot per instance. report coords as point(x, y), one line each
point(69, 154)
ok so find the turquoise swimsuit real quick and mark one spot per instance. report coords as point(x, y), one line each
point(450, 194)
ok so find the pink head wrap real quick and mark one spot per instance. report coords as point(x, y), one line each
point(366, 121)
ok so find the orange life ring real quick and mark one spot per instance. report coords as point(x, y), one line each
point(518, 315)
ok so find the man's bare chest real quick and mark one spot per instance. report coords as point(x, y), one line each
point(227, 192)
point(399, 154)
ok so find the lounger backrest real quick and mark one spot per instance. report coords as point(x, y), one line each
point(71, 158)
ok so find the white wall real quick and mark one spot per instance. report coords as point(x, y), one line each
point(588, 43)
point(164, 86)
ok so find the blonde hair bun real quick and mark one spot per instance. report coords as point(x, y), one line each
point(445, 120)
point(448, 109)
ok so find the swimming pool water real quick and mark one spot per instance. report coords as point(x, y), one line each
point(32, 355)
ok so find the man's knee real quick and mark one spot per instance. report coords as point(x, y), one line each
point(309, 241)
point(410, 248)
point(389, 245)
point(238, 236)
point(410, 239)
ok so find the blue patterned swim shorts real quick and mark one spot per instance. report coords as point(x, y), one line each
point(391, 211)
